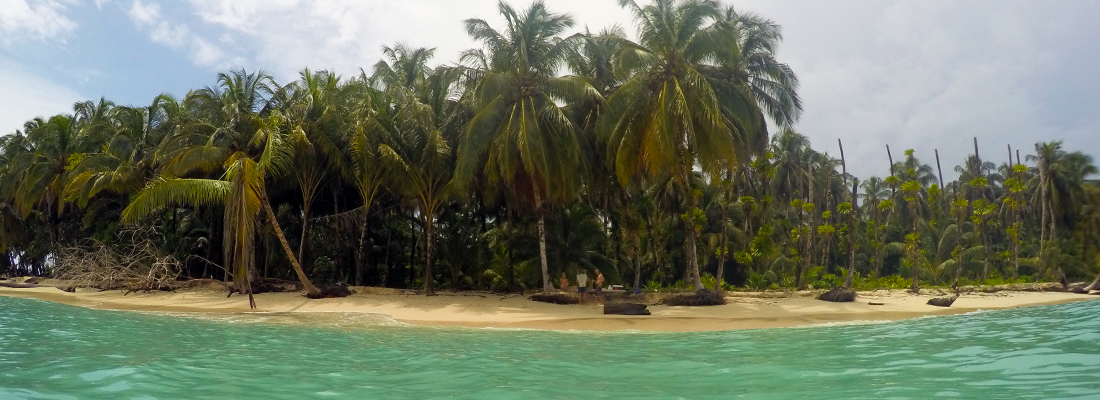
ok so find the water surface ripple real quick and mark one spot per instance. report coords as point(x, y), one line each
point(52, 351)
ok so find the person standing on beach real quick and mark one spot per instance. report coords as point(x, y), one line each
point(564, 282)
point(599, 285)
point(582, 285)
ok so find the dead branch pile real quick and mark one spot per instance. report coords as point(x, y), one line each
point(132, 262)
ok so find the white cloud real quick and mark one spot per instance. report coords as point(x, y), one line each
point(921, 75)
point(25, 95)
point(43, 20)
point(933, 75)
point(178, 36)
point(285, 36)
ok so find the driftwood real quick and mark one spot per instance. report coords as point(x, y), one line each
point(839, 295)
point(13, 285)
point(943, 301)
point(702, 297)
point(554, 298)
point(625, 309)
point(329, 291)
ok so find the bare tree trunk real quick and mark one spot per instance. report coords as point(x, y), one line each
point(808, 255)
point(546, 286)
point(312, 290)
point(853, 224)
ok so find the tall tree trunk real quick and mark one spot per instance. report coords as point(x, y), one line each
point(546, 286)
point(690, 252)
point(915, 285)
point(312, 290)
point(808, 255)
point(361, 250)
point(637, 263)
point(429, 247)
point(1054, 242)
point(305, 233)
point(853, 224)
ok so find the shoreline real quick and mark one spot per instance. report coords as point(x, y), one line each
point(746, 310)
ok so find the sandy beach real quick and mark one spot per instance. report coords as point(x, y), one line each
point(746, 310)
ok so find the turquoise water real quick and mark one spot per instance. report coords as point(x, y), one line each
point(52, 351)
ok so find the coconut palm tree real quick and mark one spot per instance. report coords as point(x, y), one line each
point(242, 190)
point(1059, 187)
point(668, 118)
point(428, 120)
point(518, 136)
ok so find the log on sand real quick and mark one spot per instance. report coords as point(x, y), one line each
point(625, 309)
point(943, 301)
point(13, 285)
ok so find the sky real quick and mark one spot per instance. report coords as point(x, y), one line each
point(925, 75)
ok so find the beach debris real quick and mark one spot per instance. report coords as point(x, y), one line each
point(943, 301)
point(1079, 288)
point(839, 295)
point(332, 291)
point(625, 309)
point(13, 285)
point(876, 303)
point(554, 298)
point(702, 297)
point(132, 261)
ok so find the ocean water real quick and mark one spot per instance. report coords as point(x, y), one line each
point(52, 351)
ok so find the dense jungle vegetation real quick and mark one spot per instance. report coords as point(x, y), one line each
point(537, 153)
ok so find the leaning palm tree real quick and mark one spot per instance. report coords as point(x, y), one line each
point(242, 190)
point(671, 117)
point(519, 137)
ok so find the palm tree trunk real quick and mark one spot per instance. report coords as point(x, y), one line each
point(915, 285)
point(310, 289)
point(305, 233)
point(1053, 241)
point(637, 263)
point(1043, 225)
point(853, 223)
point(361, 250)
point(429, 246)
point(689, 223)
point(546, 287)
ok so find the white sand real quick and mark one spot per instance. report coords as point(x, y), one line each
point(475, 309)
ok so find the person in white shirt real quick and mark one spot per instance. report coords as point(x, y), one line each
point(582, 285)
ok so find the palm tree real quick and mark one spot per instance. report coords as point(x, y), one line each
point(427, 120)
point(243, 191)
point(243, 144)
point(672, 116)
point(1060, 188)
point(747, 61)
point(312, 107)
point(518, 136)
